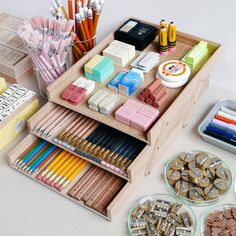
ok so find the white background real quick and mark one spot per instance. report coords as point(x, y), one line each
point(26, 208)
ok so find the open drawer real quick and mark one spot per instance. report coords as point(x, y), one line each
point(135, 169)
point(107, 209)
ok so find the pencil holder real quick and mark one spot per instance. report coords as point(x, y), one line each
point(46, 76)
point(81, 48)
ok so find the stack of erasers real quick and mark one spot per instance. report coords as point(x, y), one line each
point(103, 102)
point(137, 115)
point(195, 56)
point(121, 53)
point(126, 82)
point(173, 73)
point(146, 61)
point(78, 90)
point(154, 94)
point(99, 68)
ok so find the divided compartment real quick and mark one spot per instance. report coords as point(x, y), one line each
point(174, 114)
point(111, 209)
point(134, 171)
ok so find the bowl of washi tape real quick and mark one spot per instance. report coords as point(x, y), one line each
point(161, 214)
point(198, 178)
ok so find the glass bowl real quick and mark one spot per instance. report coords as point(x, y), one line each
point(198, 202)
point(212, 210)
point(163, 197)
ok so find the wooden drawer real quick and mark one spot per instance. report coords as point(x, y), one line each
point(134, 171)
point(111, 210)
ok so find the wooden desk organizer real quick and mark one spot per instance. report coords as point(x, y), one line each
point(175, 113)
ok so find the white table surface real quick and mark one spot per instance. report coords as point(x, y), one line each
point(27, 208)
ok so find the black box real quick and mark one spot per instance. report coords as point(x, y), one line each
point(136, 33)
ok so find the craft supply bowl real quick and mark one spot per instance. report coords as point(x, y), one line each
point(211, 210)
point(196, 202)
point(165, 197)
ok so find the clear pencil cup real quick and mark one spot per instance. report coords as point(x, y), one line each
point(81, 48)
point(46, 76)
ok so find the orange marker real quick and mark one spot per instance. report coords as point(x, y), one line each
point(219, 117)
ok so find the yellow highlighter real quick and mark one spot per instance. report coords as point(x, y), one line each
point(172, 36)
point(163, 42)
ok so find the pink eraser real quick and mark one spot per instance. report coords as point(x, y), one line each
point(133, 105)
point(141, 98)
point(39, 177)
point(155, 104)
point(52, 183)
point(60, 188)
point(68, 91)
point(78, 95)
point(47, 181)
point(148, 101)
point(150, 112)
point(44, 179)
point(153, 86)
point(56, 185)
point(112, 167)
point(117, 169)
point(155, 94)
point(163, 53)
point(162, 100)
point(141, 122)
point(145, 94)
point(172, 49)
point(124, 114)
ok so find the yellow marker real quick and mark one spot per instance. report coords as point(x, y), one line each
point(163, 42)
point(163, 23)
point(75, 173)
point(172, 36)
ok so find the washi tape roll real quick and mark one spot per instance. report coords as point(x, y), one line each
point(173, 73)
